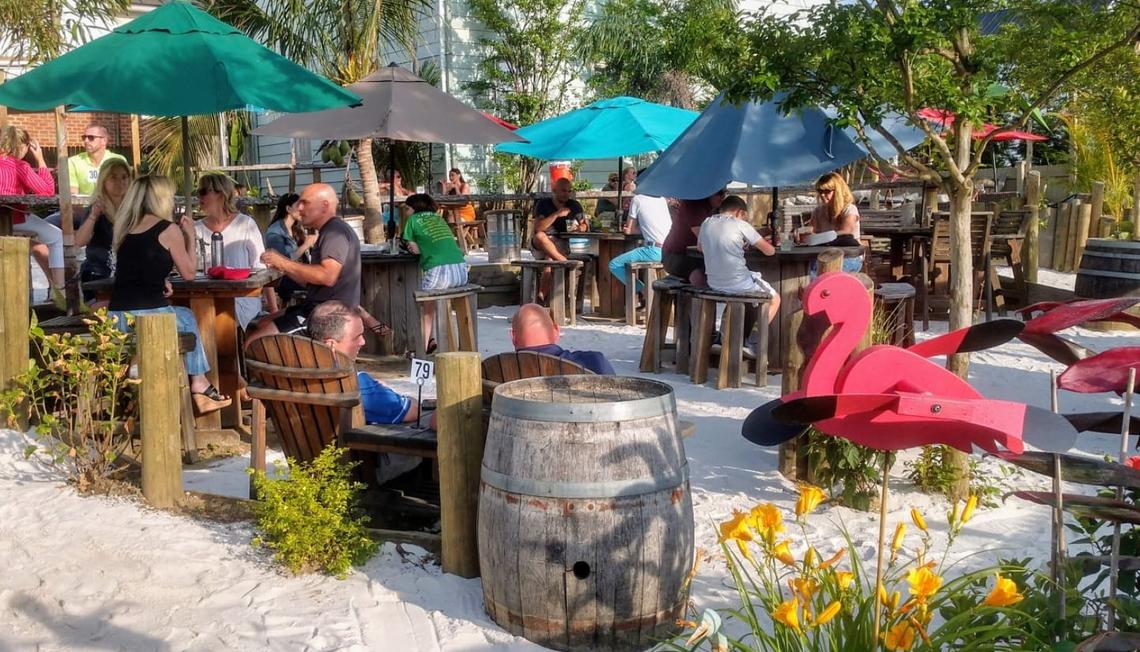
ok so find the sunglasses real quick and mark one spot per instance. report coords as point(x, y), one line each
point(202, 192)
point(91, 137)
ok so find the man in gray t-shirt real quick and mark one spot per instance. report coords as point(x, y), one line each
point(334, 272)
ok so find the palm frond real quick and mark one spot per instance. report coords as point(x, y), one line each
point(162, 142)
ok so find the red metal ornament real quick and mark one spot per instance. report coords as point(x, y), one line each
point(1104, 372)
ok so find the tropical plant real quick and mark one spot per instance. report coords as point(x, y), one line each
point(35, 31)
point(678, 52)
point(78, 395)
point(1092, 158)
point(340, 39)
point(527, 67)
point(792, 597)
point(877, 56)
point(310, 517)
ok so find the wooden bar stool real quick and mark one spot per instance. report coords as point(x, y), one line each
point(587, 285)
point(648, 272)
point(665, 307)
point(455, 321)
point(730, 367)
point(559, 289)
point(897, 302)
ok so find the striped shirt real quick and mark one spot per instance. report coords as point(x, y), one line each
point(19, 178)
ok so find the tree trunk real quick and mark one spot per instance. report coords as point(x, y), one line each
point(373, 226)
point(961, 311)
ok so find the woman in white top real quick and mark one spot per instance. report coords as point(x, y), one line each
point(837, 212)
point(242, 243)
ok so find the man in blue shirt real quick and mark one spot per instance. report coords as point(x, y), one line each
point(532, 329)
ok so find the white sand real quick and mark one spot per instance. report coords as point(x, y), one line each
point(96, 573)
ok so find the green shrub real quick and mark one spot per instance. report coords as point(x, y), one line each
point(311, 519)
point(78, 396)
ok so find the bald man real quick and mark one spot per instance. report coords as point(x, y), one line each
point(532, 329)
point(334, 274)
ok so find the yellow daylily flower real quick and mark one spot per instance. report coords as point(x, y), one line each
point(1005, 593)
point(884, 599)
point(952, 517)
point(767, 520)
point(736, 528)
point(810, 498)
point(810, 557)
point(804, 587)
point(787, 613)
point(834, 559)
point(744, 551)
point(896, 542)
point(899, 637)
point(827, 614)
point(923, 582)
point(783, 552)
point(917, 517)
point(971, 505)
point(844, 579)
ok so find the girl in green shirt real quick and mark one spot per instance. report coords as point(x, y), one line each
point(443, 265)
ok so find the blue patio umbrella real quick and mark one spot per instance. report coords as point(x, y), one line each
point(757, 143)
point(617, 127)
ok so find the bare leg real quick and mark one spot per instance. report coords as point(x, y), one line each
point(546, 245)
point(773, 308)
point(427, 317)
point(40, 255)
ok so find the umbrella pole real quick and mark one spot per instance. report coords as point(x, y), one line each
point(427, 184)
point(393, 247)
point(773, 217)
point(621, 181)
point(186, 181)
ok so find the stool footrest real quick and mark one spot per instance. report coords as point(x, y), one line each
point(447, 293)
point(720, 295)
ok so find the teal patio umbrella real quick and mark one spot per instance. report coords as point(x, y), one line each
point(617, 127)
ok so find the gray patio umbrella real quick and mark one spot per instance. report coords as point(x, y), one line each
point(397, 106)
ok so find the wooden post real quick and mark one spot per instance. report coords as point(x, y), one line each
point(70, 267)
point(15, 317)
point(1136, 207)
point(1029, 253)
point(136, 144)
point(159, 368)
point(790, 382)
point(1061, 235)
point(1083, 221)
point(1021, 170)
point(1071, 243)
point(461, 438)
point(1097, 209)
point(3, 109)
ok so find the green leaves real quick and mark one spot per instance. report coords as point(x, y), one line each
point(310, 518)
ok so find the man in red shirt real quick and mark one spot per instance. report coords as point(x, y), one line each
point(683, 234)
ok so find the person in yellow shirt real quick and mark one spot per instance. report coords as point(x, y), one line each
point(83, 170)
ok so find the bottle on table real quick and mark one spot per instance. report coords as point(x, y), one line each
point(217, 250)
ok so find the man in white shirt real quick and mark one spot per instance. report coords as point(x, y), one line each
point(650, 217)
point(722, 240)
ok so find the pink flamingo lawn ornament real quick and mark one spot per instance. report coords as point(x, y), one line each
point(891, 398)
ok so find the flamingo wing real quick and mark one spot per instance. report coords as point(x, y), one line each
point(1060, 349)
point(1105, 372)
point(763, 428)
point(1067, 315)
point(971, 338)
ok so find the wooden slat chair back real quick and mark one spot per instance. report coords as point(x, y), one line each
point(980, 242)
point(886, 218)
point(516, 365)
point(309, 390)
point(1009, 229)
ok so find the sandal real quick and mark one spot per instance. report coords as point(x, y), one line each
point(431, 346)
point(210, 400)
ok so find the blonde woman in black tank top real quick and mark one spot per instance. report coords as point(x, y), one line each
point(148, 245)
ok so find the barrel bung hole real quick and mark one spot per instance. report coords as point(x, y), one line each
point(581, 570)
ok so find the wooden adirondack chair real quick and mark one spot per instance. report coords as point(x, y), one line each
point(311, 394)
point(515, 365)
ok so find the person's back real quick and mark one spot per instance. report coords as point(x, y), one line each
point(337, 241)
point(722, 241)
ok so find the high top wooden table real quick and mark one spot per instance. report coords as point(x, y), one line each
point(611, 292)
point(788, 272)
point(387, 286)
point(901, 236)
point(212, 302)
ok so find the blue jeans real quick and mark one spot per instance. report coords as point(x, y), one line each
point(196, 364)
point(639, 255)
point(850, 265)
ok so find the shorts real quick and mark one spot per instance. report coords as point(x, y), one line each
point(294, 319)
point(442, 277)
point(562, 244)
point(762, 285)
point(681, 265)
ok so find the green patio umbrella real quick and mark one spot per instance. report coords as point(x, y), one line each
point(174, 61)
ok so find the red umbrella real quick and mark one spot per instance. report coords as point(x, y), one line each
point(946, 118)
point(499, 121)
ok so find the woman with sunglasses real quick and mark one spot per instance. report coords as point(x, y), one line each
point(242, 244)
point(148, 245)
point(837, 213)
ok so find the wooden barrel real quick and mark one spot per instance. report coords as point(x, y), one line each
point(585, 516)
point(1109, 269)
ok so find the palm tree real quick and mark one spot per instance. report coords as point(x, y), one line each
point(340, 39)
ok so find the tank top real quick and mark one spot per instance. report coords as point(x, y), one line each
point(141, 270)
